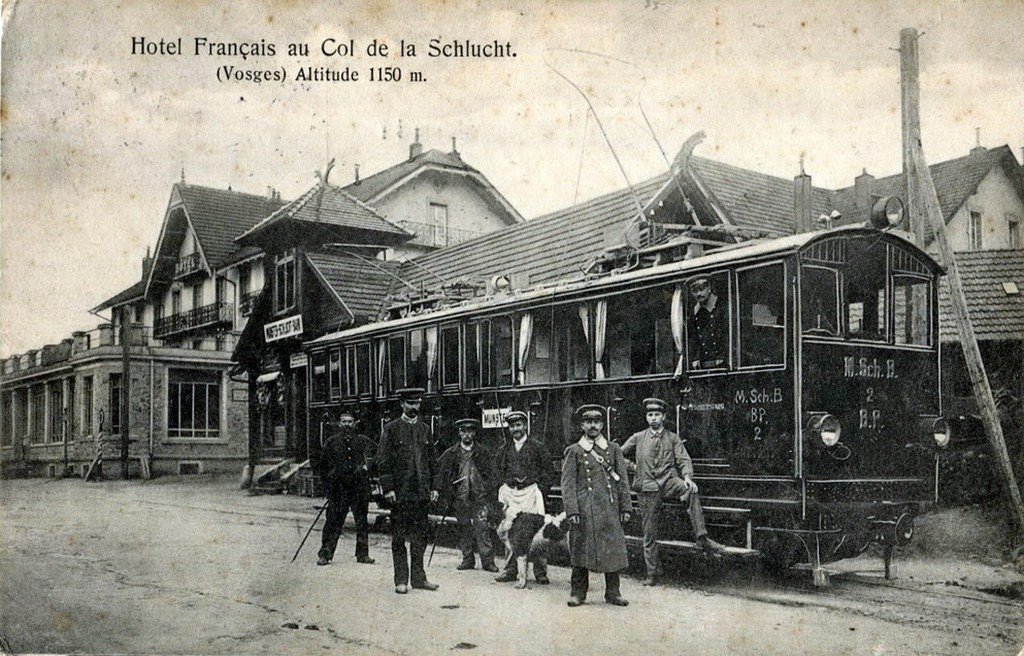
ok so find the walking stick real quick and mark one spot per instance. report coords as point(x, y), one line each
point(443, 518)
point(301, 544)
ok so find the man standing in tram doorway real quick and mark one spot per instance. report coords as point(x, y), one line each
point(465, 477)
point(405, 461)
point(525, 473)
point(595, 491)
point(664, 471)
point(710, 323)
point(345, 462)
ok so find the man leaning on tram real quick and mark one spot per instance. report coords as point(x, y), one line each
point(664, 472)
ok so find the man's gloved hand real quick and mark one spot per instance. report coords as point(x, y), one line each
point(574, 519)
point(433, 496)
point(624, 517)
point(390, 497)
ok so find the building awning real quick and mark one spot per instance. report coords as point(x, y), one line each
point(266, 378)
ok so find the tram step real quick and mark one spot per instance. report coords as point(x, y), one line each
point(726, 510)
point(683, 545)
point(434, 519)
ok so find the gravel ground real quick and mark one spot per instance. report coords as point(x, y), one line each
point(194, 566)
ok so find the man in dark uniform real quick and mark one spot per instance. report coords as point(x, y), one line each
point(525, 475)
point(405, 461)
point(465, 478)
point(664, 472)
point(595, 491)
point(709, 321)
point(344, 468)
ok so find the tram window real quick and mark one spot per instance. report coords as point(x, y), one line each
point(819, 306)
point(762, 293)
point(707, 321)
point(335, 374)
point(318, 371)
point(864, 290)
point(489, 353)
point(638, 333)
point(472, 356)
point(396, 363)
point(361, 384)
point(911, 305)
point(450, 356)
point(416, 365)
point(571, 352)
point(350, 388)
point(538, 362)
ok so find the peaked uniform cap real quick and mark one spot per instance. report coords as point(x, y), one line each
point(588, 410)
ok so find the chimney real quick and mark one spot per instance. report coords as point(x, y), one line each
point(802, 201)
point(357, 174)
point(147, 262)
point(978, 148)
point(863, 185)
point(416, 148)
point(910, 101)
point(455, 151)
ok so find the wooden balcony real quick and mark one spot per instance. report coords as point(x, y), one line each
point(188, 265)
point(201, 317)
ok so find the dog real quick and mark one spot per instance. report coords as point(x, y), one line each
point(531, 535)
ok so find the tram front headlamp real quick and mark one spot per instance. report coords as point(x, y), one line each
point(887, 213)
point(826, 427)
point(937, 429)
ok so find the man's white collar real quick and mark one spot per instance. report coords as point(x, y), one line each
point(601, 442)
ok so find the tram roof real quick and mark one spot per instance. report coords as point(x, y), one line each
point(747, 251)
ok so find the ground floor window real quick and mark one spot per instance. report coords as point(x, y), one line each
point(193, 403)
point(8, 420)
point(115, 404)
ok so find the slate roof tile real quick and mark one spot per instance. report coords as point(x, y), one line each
point(220, 215)
point(995, 314)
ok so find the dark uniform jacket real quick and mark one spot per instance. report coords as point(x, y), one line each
point(711, 328)
point(406, 461)
point(448, 471)
point(531, 464)
point(344, 461)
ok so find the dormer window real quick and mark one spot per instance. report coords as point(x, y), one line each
point(284, 283)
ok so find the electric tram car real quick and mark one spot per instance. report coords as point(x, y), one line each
point(803, 373)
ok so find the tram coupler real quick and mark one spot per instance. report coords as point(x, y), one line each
point(894, 532)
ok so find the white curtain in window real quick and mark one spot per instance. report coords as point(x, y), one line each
point(525, 335)
point(600, 325)
point(584, 312)
point(677, 318)
point(431, 354)
point(382, 358)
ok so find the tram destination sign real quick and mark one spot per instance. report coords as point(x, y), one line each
point(494, 417)
point(283, 328)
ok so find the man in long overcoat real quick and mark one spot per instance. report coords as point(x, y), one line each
point(406, 462)
point(595, 492)
point(465, 479)
point(344, 468)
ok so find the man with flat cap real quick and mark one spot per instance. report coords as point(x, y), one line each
point(525, 475)
point(405, 461)
point(344, 468)
point(465, 479)
point(595, 492)
point(664, 472)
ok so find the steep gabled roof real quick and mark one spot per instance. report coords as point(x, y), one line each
point(756, 201)
point(218, 216)
point(377, 186)
point(996, 314)
point(359, 285)
point(326, 206)
point(955, 181)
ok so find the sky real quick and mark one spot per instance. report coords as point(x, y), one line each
point(92, 137)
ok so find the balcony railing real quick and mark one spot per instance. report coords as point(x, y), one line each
point(435, 235)
point(201, 317)
point(188, 265)
point(248, 302)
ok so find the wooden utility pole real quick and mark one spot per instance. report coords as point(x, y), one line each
point(968, 341)
point(910, 99)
